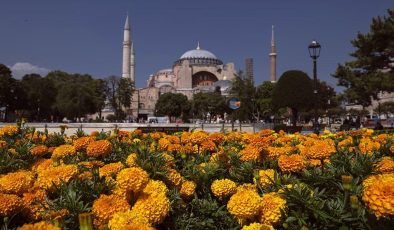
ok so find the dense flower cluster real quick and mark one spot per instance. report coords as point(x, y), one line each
point(244, 205)
point(99, 148)
point(272, 205)
point(223, 188)
point(106, 206)
point(63, 151)
point(54, 176)
point(17, 182)
point(258, 226)
point(153, 207)
point(39, 150)
point(9, 130)
point(82, 143)
point(378, 194)
point(42, 225)
point(291, 163)
point(9, 204)
point(132, 179)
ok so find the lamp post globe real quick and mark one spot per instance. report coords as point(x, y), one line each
point(314, 52)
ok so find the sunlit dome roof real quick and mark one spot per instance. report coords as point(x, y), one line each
point(198, 53)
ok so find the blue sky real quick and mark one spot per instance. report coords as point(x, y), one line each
point(85, 36)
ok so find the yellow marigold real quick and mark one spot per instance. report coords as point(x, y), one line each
point(33, 204)
point(258, 226)
point(54, 176)
point(270, 212)
point(106, 206)
point(320, 149)
point(187, 190)
point(246, 186)
point(155, 186)
point(42, 225)
point(169, 159)
point(132, 179)
point(131, 160)
point(244, 205)
point(223, 188)
point(9, 130)
point(291, 163)
point(16, 182)
point(63, 151)
point(41, 164)
point(9, 204)
point(91, 164)
point(82, 143)
point(121, 220)
point(174, 178)
point(250, 153)
point(137, 226)
point(111, 169)
point(265, 177)
point(154, 207)
point(367, 146)
point(378, 194)
point(99, 148)
point(386, 165)
point(39, 150)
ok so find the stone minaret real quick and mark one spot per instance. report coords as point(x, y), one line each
point(132, 64)
point(273, 58)
point(126, 49)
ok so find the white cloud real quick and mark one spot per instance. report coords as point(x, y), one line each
point(20, 69)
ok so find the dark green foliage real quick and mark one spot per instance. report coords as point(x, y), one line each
point(244, 90)
point(293, 90)
point(172, 104)
point(203, 103)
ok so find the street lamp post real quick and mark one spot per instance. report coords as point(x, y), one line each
point(314, 52)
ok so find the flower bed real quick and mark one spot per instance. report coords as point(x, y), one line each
point(196, 180)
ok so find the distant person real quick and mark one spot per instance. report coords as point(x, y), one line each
point(378, 126)
point(358, 122)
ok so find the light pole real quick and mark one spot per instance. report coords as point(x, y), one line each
point(314, 52)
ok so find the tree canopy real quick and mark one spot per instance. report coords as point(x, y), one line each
point(293, 90)
point(172, 105)
point(372, 69)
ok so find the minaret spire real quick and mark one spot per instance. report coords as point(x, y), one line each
point(132, 63)
point(273, 57)
point(126, 49)
point(198, 46)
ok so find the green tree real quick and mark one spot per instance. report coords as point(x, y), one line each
point(212, 102)
point(293, 90)
point(5, 85)
point(172, 105)
point(119, 92)
point(41, 95)
point(244, 90)
point(264, 93)
point(371, 71)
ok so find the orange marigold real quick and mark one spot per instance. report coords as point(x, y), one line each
point(33, 204)
point(16, 182)
point(9, 204)
point(386, 165)
point(250, 153)
point(367, 146)
point(82, 143)
point(187, 189)
point(54, 176)
point(223, 188)
point(99, 148)
point(63, 151)
point(42, 225)
point(208, 146)
point(154, 207)
point(271, 209)
point(39, 150)
point(124, 220)
point(111, 169)
point(9, 130)
point(320, 149)
point(291, 163)
point(258, 226)
point(244, 205)
point(155, 186)
point(132, 179)
point(274, 152)
point(174, 178)
point(106, 206)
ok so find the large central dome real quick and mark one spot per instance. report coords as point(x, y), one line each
point(199, 56)
point(198, 53)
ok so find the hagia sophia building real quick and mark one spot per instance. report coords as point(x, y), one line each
point(197, 70)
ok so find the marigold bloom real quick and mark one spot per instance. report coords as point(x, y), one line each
point(250, 153)
point(320, 149)
point(137, 226)
point(175, 147)
point(91, 164)
point(41, 164)
point(154, 207)
point(291, 163)
point(131, 160)
point(9, 204)
point(39, 150)
point(132, 179)
point(223, 188)
point(244, 205)
point(16, 182)
point(111, 169)
point(265, 177)
point(42, 225)
point(386, 165)
point(378, 194)
point(258, 226)
point(187, 189)
point(197, 137)
point(367, 146)
point(106, 206)
point(155, 186)
point(33, 204)
point(174, 178)
point(9, 130)
point(63, 151)
point(3, 144)
point(54, 176)
point(208, 146)
point(164, 143)
point(99, 148)
point(246, 186)
point(270, 212)
point(125, 219)
point(217, 137)
point(82, 143)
